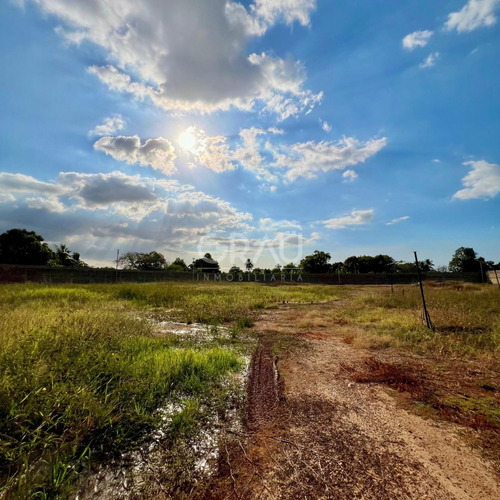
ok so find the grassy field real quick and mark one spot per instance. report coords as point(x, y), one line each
point(83, 370)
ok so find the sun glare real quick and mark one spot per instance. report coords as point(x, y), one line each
point(187, 140)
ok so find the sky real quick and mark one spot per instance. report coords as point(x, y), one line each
point(261, 129)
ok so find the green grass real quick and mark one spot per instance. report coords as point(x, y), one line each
point(81, 370)
point(466, 318)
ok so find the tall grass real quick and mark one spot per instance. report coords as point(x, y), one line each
point(215, 303)
point(466, 318)
point(80, 373)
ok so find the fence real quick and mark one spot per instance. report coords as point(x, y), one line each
point(40, 274)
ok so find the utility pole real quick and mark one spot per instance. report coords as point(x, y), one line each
point(426, 314)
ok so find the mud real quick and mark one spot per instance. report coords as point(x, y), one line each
point(314, 433)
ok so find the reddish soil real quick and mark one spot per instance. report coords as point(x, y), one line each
point(334, 426)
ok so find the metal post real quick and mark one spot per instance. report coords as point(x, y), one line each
point(426, 314)
point(116, 270)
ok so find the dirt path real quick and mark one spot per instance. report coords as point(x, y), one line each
point(330, 437)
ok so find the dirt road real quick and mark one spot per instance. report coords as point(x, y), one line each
point(316, 433)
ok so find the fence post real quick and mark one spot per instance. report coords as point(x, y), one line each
point(496, 276)
point(426, 314)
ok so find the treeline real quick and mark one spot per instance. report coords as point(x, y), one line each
point(19, 246)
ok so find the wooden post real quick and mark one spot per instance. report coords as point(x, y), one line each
point(426, 314)
point(496, 276)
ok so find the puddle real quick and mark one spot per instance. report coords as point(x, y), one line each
point(194, 332)
point(134, 473)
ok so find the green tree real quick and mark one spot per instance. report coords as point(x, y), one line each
point(290, 268)
point(351, 265)
point(378, 264)
point(177, 266)
point(235, 270)
point(64, 257)
point(337, 267)
point(19, 246)
point(152, 261)
point(249, 265)
point(316, 263)
point(409, 267)
point(464, 260)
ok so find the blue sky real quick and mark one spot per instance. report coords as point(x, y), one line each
point(263, 129)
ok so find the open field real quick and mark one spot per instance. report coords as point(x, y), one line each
point(90, 372)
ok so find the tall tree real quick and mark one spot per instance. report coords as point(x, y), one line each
point(249, 265)
point(316, 263)
point(19, 246)
point(290, 268)
point(177, 266)
point(409, 267)
point(64, 257)
point(351, 265)
point(152, 261)
point(464, 260)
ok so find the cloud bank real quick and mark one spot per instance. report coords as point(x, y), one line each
point(191, 55)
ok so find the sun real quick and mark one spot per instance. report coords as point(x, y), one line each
point(187, 140)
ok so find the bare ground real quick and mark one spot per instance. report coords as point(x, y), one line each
point(318, 431)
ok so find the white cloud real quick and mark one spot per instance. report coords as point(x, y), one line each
point(482, 181)
point(436, 160)
point(429, 61)
point(309, 158)
point(213, 152)
point(216, 155)
point(249, 157)
point(255, 152)
point(475, 14)
point(283, 93)
point(268, 224)
point(20, 183)
point(276, 131)
point(101, 207)
point(48, 204)
point(396, 221)
point(190, 55)
point(326, 127)
point(157, 153)
point(109, 126)
point(355, 218)
point(265, 13)
point(350, 175)
point(6, 198)
point(417, 39)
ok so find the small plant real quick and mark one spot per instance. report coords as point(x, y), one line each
point(244, 322)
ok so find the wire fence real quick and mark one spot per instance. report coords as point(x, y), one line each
point(49, 275)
